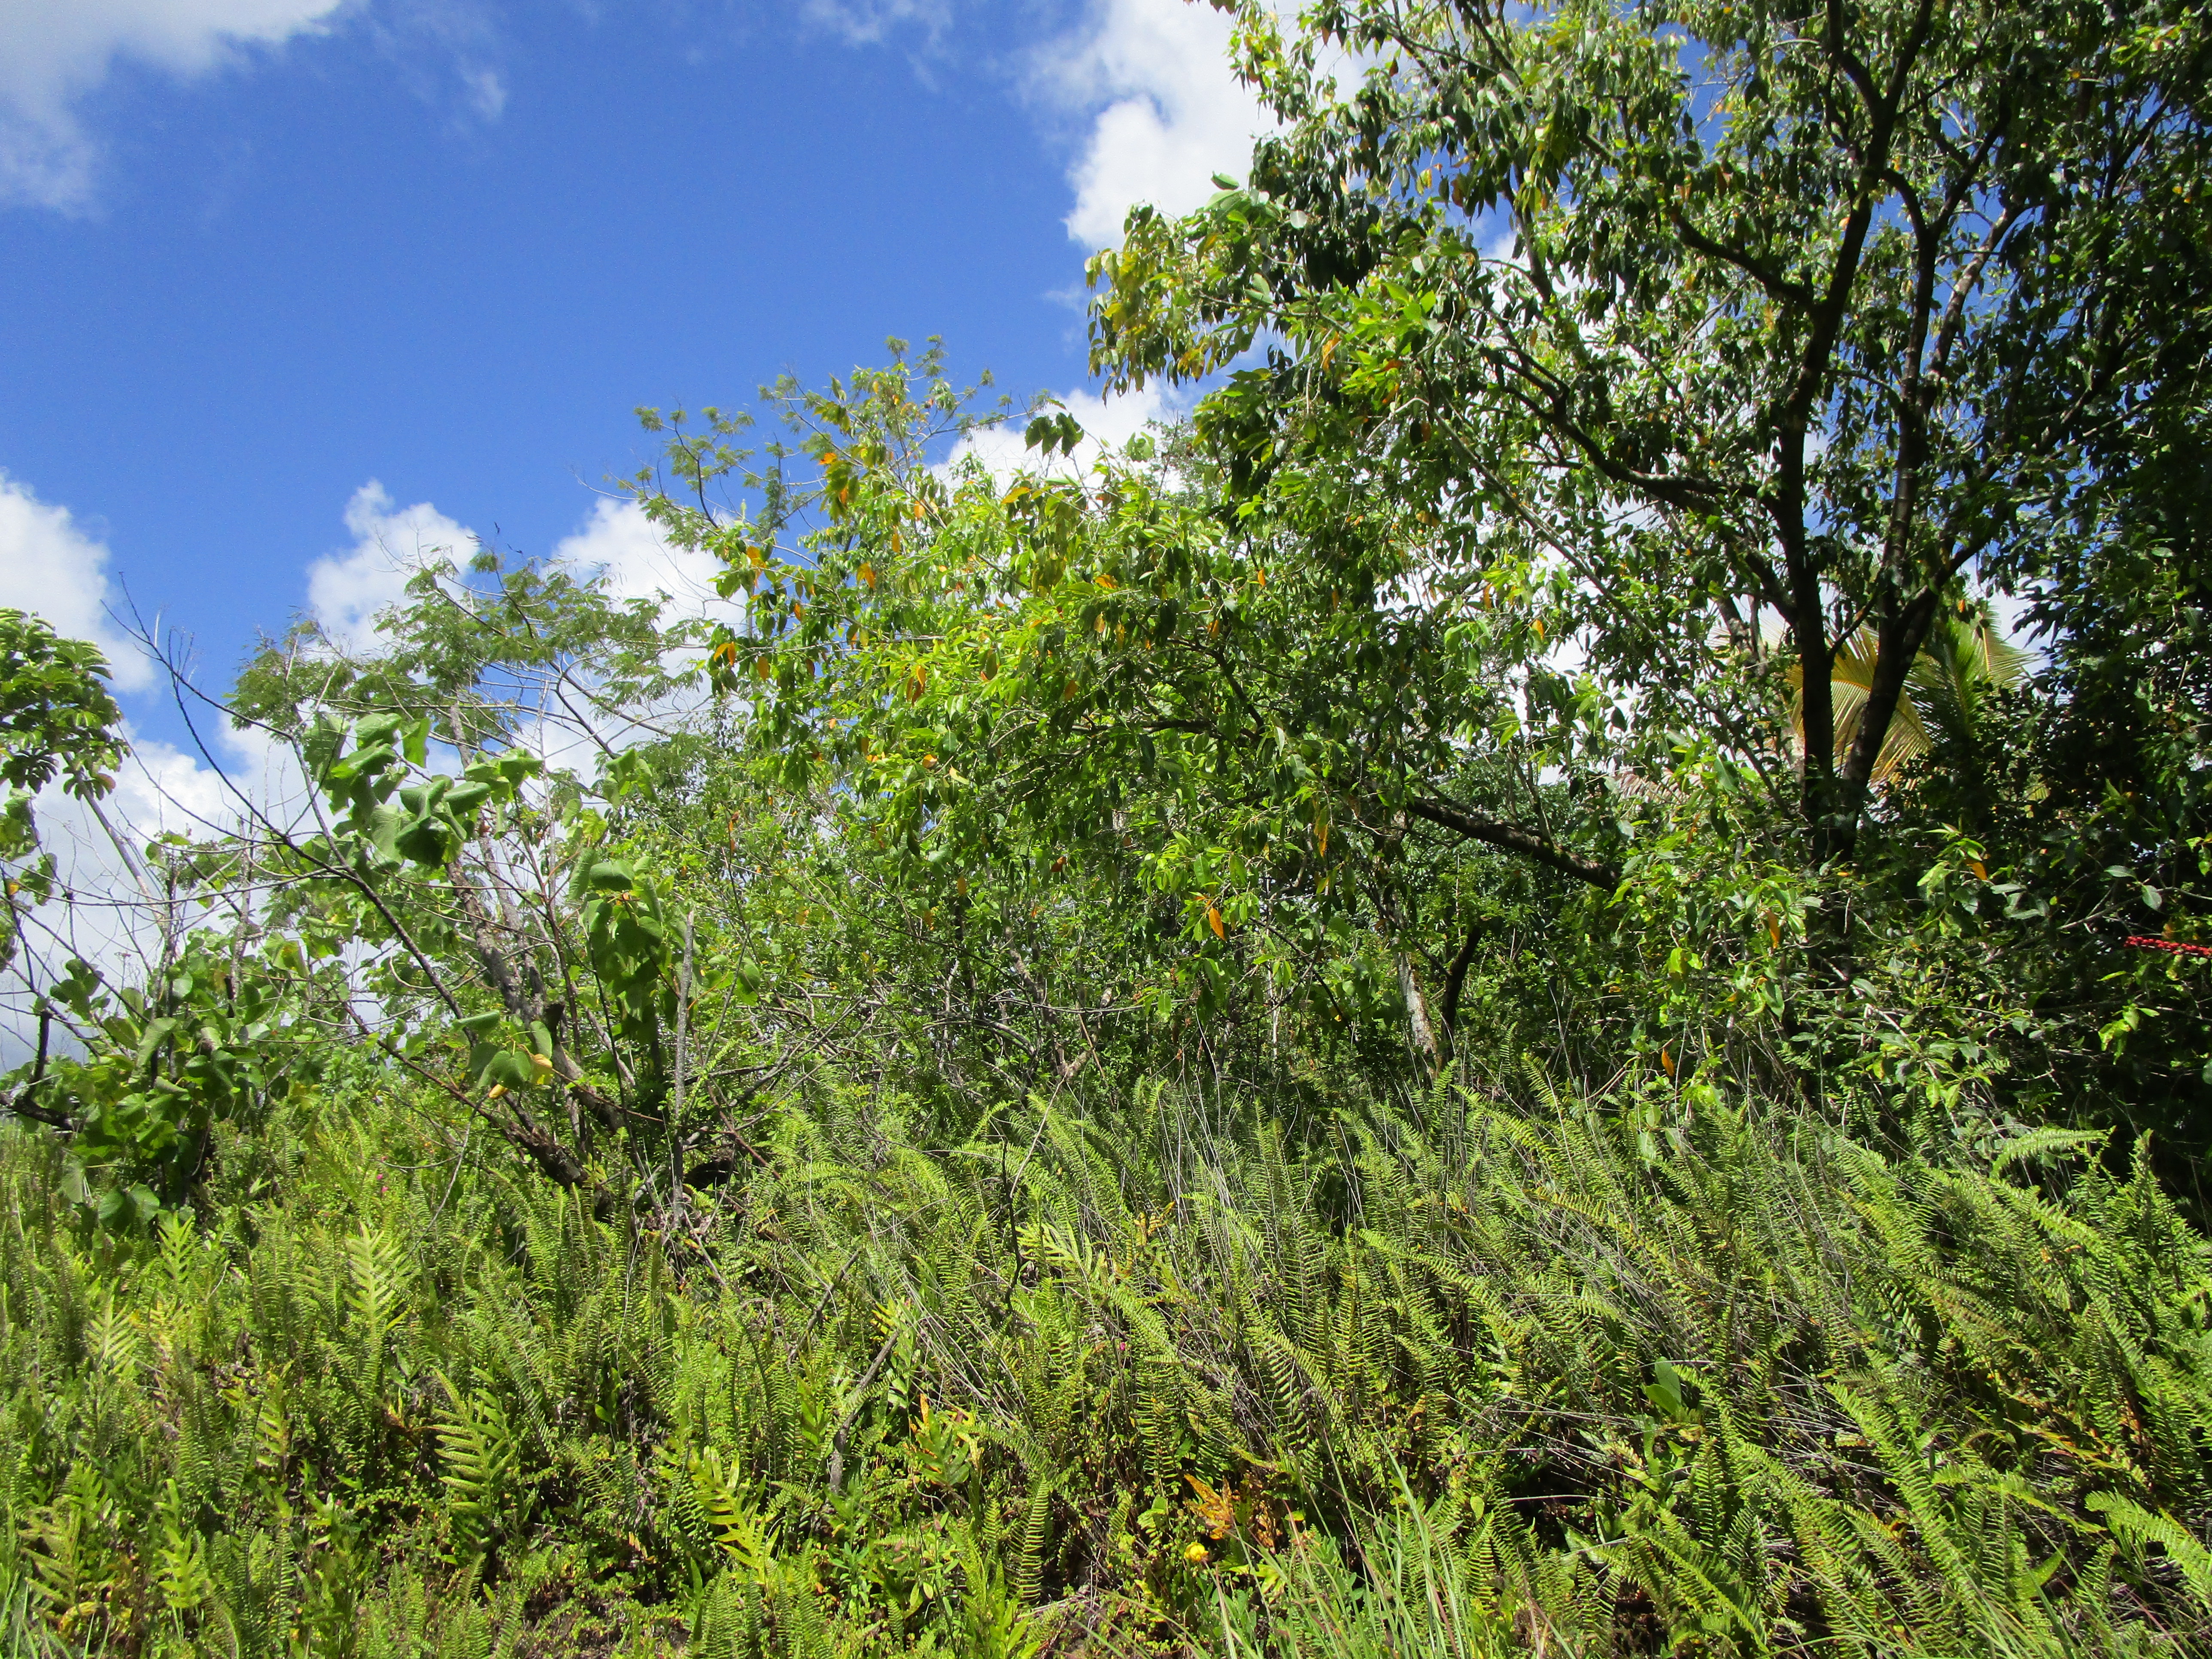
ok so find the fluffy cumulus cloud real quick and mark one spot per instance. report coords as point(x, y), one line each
point(50, 566)
point(1165, 113)
point(391, 543)
point(54, 51)
point(627, 548)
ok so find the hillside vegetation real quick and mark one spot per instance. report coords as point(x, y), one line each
point(1535, 987)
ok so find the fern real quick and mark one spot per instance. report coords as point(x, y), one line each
point(477, 1455)
point(2139, 1528)
point(1927, 1401)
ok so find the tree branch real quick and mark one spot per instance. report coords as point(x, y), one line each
point(1511, 838)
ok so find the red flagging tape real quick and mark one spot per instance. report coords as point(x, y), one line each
point(2142, 944)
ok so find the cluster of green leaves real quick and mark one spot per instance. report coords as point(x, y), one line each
point(433, 819)
point(56, 716)
point(57, 719)
point(216, 1032)
point(226, 1030)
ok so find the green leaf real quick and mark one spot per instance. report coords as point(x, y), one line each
point(426, 840)
point(512, 1070)
point(376, 730)
point(464, 798)
point(382, 830)
point(609, 876)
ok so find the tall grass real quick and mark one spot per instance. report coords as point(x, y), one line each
point(1663, 1371)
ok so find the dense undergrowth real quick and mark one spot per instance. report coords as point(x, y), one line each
point(1535, 1375)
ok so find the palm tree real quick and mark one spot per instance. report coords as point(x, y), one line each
point(1964, 663)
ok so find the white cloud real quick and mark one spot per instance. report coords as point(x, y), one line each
point(51, 567)
point(1167, 113)
point(485, 93)
point(346, 590)
point(627, 549)
point(618, 539)
point(869, 22)
point(54, 51)
point(1110, 423)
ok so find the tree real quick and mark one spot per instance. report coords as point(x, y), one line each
point(1709, 310)
point(1964, 663)
point(467, 874)
point(55, 715)
point(57, 719)
point(1560, 355)
point(1110, 677)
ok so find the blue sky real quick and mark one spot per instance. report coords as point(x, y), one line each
point(295, 287)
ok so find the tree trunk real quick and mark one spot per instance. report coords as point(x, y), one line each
point(1417, 1012)
point(1454, 982)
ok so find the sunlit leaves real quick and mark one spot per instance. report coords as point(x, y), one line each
point(55, 715)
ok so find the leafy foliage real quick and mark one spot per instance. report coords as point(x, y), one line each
point(55, 717)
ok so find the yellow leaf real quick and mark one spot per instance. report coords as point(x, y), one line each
point(1216, 1509)
point(1667, 1060)
point(1214, 921)
point(868, 575)
point(1978, 868)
